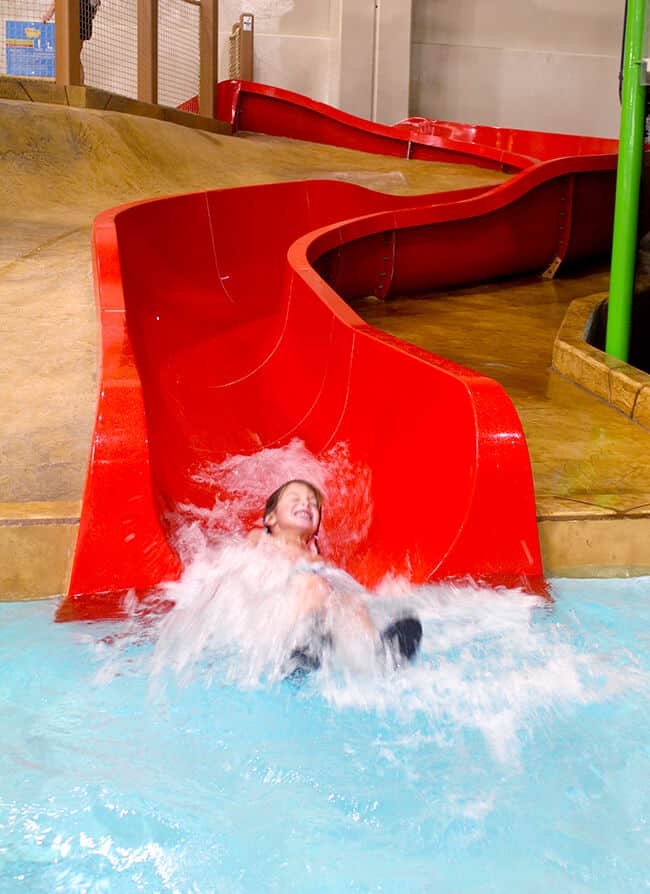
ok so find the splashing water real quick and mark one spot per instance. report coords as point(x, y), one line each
point(512, 752)
point(243, 483)
point(493, 661)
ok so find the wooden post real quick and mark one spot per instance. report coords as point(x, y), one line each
point(208, 51)
point(148, 50)
point(246, 28)
point(68, 42)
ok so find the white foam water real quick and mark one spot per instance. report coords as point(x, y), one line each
point(343, 782)
point(243, 483)
point(492, 661)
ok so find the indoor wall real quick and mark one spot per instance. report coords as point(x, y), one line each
point(534, 64)
point(353, 54)
point(293, 43)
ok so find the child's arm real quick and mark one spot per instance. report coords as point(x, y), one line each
point(359, 612)
point(47, 15)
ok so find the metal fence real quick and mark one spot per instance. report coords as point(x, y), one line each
point(178, 51)
point(109, 53)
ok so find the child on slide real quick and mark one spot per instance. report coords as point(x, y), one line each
point(291, 520)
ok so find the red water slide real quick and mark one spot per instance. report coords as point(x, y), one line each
point(225, 329)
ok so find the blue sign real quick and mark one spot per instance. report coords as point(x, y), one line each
point(30, 49)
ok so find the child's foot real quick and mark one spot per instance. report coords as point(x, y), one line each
point(305, 660)
point(403, 637)
point(309, 657)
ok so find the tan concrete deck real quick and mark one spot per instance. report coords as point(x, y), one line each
point(59, 167)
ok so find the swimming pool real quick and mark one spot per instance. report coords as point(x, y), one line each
point(514, 755)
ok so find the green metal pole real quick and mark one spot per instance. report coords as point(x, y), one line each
point(628, 182)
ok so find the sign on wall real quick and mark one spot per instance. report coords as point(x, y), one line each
point(30, 49)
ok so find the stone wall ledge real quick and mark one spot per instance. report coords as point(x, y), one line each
point(48, 91)
point(622, 386)
point(37, 541)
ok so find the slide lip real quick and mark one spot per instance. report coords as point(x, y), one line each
point(307, 248)
point(118, 369)
point(475, 141)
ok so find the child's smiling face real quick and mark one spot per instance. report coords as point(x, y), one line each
point(297, 510)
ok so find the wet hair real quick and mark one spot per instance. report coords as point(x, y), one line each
point(274, 499)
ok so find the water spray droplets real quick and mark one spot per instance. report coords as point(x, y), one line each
point(493, 663)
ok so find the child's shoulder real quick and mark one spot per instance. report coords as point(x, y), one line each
point(253, 537)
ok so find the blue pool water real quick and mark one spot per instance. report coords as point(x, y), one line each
point(513, 756)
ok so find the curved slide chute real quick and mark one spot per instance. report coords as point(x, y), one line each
point(225, 329)
point(260, 108)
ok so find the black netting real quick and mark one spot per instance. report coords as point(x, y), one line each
point(178, 51)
